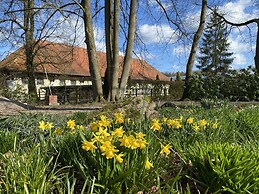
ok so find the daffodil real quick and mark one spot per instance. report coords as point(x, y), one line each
point(156, 126)
point(215, 125)
point(45, 126)
point(203, 123)
point(119, 157)
point(118, 132)
point(174, 123)
point(49, 125)
point(42, 125)
point(110, 152)
point(134, 143)
point(125, 141)
point(71, 124)
point(58, 131)
point(103, 132)
point(141, 143)
point(80, 127)
point(164, 120)
point(140, 135)
point(119, 117)
point(196, 127)
point(104, 122)
point(148, 165)
point(190, 120)
point(87, 145)
point(106, 145)
point(165, 149)
point(94, 126)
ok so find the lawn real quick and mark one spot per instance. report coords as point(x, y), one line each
point(186, 149)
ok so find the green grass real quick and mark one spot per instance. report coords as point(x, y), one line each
point(212, 158)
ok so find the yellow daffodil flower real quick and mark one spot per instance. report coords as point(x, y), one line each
point(148, 165)
point(141, 143)
point(174, 123)
point(165, 149)
point(164, 120)
point(110, 152)
point(140, 135)
point(156, 126)
point(94, 126)
point(215, 125)
point(87, 145)
point(190, 120)
point(203, 123)
point(118, 132)
point(104, 122)
point(103, 132)
point(45, 126)
point(125, 141)
point(71, 124)
point(80, 127)
point(58, 131)
point(42, 125)
point(196, 127)
point(106, 145)
point(119, 157)
point(49, 125)
point(119, 117)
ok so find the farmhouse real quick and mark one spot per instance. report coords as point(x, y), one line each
point(65, 68)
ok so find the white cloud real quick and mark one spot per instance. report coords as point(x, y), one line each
point(181, 50)
point(239, 59)
point(192, 21)
point(238, 11)
point(240, 48)
point(157, 34)
point(66, 32)
point(238, 44)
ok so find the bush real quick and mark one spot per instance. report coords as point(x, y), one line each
point(176, 90)
point(242, 85)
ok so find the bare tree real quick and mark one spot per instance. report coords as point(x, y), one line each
point(26, 23)
point(246, 23)
point(193, 51)
point(129, 48)
point(91, 50)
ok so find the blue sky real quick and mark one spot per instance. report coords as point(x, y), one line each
point(160, 44)
point(172, 57)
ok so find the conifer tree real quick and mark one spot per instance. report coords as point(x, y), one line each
point(215, 57)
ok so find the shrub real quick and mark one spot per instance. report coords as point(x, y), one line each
point(242, 85)
point(176, 90)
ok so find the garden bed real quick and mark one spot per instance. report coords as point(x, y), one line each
point(123, 149)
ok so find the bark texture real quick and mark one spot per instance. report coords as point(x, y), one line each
point(194, 48)
point(129, 48)
point(91, 51)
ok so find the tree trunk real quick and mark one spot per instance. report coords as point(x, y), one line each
point(257, 50)
point(192, 55)
point(115, 54)
point(130, 43)
point(29, 42)
point(91, 51)
point(108, 42)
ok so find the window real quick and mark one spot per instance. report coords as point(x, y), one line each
point(40, 81)
point(62, 82)
point(73, 82)
point(25, 80)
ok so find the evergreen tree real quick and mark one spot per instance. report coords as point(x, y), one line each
point(215, 58)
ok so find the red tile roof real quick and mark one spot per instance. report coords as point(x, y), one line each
point(56, 58)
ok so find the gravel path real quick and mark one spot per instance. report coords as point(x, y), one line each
point(10, 107)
